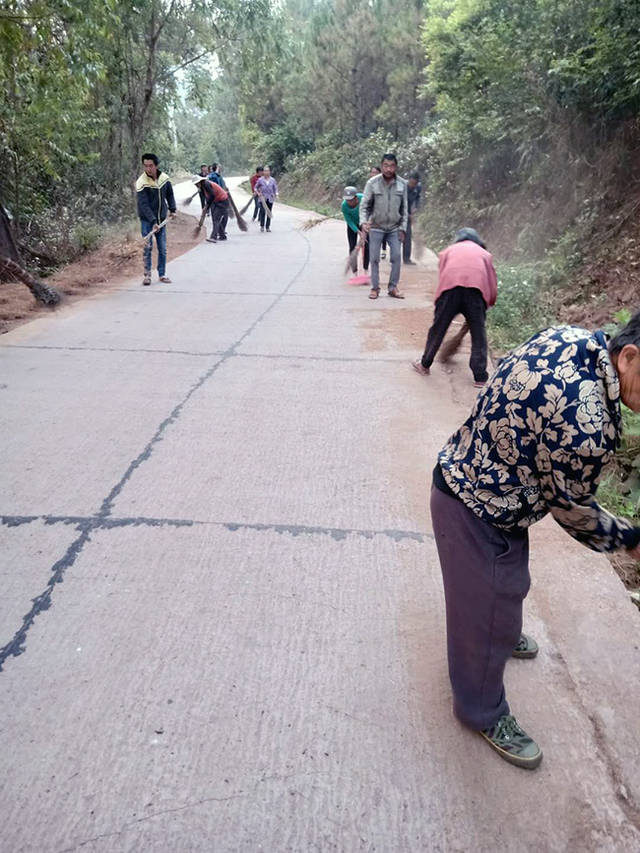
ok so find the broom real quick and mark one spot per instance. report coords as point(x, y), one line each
point(363, 278)
point(198, 227)
point(268, 213)
point(244, 209)
point(311, 223)
point(242, 225)
point(451, 347)
point(353, 256)
point(151, 233)
point(188, 201)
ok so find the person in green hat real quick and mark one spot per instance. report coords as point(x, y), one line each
point(351, 211)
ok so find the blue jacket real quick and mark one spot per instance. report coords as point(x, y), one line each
point(155, 197)
point(217, 179)
point(538, 438)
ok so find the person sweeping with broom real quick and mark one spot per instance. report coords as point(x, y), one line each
point(155, 199)
point(467, 285)
point(217, 203)
point(267, 191)
point(537, 441)
point(351, 199)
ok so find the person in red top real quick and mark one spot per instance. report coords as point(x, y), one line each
point(217, 202)
point(467, 285)
point(256, 200)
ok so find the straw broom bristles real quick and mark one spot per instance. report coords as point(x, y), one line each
point(311, 223)
point(242, 225)
point(198, 227)
point(244, 209)
point(452, 346)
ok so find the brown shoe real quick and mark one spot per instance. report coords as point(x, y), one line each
point(165, 279)
point(373, 294)
point(393, 291)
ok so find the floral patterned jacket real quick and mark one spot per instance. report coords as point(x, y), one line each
point(538, 438)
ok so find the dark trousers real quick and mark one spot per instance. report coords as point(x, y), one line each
point(352, 237)
point(262, 216)
point(219, 218)
point(256, 208)
point(485, 572)
point(469, 302)
point(406, 246)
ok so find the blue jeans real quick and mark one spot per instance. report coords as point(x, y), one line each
point(375, 241)
point(161, 242)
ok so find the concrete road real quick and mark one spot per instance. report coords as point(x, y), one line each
point(221, 621)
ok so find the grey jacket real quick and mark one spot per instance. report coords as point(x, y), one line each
point(385, 205)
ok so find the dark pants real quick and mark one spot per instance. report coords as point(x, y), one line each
point(352, 237)
point(262, 216)
point(406, 246)
point(486, 578)
point(256, 208)
point(219, 218)
point(469, 302)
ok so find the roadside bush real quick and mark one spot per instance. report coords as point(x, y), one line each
point(318, 177)
point(619, 491)
point(521, 308)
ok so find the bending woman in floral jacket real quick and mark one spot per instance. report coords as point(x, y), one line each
point(537, 440)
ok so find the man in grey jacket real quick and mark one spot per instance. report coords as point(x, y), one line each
point(383, 213)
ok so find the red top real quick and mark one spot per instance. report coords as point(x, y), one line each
point(466, 264)
point(211, 189)
point(252, 181)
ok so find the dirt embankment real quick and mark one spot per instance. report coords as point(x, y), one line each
point(117, 259)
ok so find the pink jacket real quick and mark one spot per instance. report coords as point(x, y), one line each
point(466, 264)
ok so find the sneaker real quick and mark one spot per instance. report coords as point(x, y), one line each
point(512, 743)
point(526, 647)
point(411, 263)
point(261, 228)
point(211, 240)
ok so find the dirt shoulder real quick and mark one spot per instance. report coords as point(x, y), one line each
point(98, 270)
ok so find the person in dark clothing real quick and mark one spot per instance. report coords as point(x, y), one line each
point(256, 201)
point(216, 176)
point(414, 192)
point(155, 202)
point(217, 203)
point(204, 171)
point(467, 285)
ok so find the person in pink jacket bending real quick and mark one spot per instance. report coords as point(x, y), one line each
point(467, 285)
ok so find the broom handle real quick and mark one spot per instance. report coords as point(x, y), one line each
point(151, 233)
point(264, 206)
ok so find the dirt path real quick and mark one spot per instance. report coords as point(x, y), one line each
point(95, 272)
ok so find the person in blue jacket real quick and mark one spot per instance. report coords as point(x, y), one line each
point(155, 202)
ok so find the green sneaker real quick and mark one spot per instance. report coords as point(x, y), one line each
point(512, 743)
point(526, 648)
